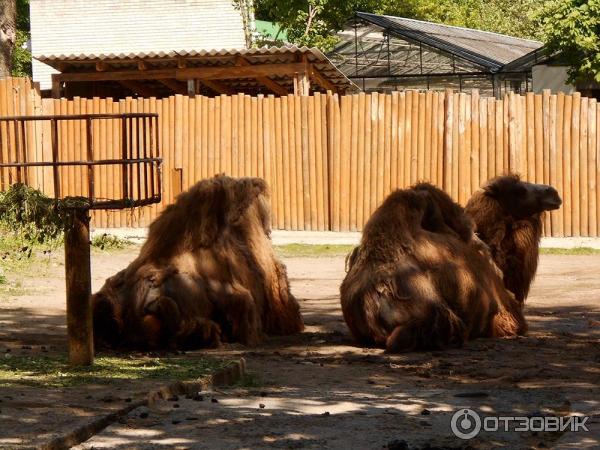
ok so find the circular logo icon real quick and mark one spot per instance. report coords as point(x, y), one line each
point(465, 423)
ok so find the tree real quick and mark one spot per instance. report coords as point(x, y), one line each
point(21, 59)
point(8, 35)
point(315, 22)
point(571, 28)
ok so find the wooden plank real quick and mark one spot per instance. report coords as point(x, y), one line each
point(427, 136)
point(260, 130)
point(592, 164)
point(448, 139)
point(400, 181)
point(374, 150)
point(289, 174)
point(305, 163)
point(311, 140)
point(499, 137)
point(567, 166)
point(335, 114)
point(546, 157)
point(559, 219)
point(491, 140)
point(325, 158)
point(538, 137)
point(346, 117)
point(246, 155)
point(353, 176)
point(553, 155)
point(462, 162)
point(282, 160)
point(440, 139)
point(319, 184)
point(367, 174)
point(393, 144)
point(530, 135)
point(475, 157)
point(298, 190)
point(408, 130)
point(387, 140)
point(583, 179)
point(575, 161)
point(414, 141)
point(483, 142)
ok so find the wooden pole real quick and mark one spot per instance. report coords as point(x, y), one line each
point(79, 289)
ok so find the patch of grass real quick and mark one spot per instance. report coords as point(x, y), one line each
point(306, 250)
point(570, 251)
point(110, 242)
point(48, 371)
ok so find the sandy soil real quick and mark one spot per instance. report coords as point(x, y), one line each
point(318, 390)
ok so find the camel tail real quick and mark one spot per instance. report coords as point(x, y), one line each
point(434, 327)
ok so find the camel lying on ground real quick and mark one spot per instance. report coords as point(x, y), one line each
point(420, 279)
point(206, 274)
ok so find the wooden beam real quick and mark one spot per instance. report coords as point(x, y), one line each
point(272, 85)
point(138, 88)
point(200, 73)
point(142, 65)
point(176, 86)
point(219, 87)
point(100, 66)
point(321, 80)
point(56, 85)
point(181, 63)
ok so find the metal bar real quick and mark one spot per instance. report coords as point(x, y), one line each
point(83, 163)
point(54, 164)
point(138, 166)
point(145, 143)
point(90, 156)
point(151, 120)
point(130, 155)
point(77, 116)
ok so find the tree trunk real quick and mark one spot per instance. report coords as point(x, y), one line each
point(8, 35)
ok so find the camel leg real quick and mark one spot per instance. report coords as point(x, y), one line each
point(239, 313)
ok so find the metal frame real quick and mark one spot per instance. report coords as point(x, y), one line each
point(142, 160)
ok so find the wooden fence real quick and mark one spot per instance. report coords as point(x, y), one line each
point(329, 159)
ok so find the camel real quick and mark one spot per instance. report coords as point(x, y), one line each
point(508, 215)
point(420, 280)
point(207, 274)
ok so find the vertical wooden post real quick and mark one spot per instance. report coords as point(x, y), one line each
point(55, 87)
point(79, 288)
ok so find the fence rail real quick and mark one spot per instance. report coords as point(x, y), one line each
point(329, 159)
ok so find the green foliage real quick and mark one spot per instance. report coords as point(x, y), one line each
point(109, 242)
point(28, 213)
point(52, 371)
point(572, 29)
point(21, 63)
point(315, 22)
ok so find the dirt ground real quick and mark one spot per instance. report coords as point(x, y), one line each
point(318, 390)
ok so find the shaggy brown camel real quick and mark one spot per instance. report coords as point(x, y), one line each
point(207, 273)
point(508, 216)
point(418, 279)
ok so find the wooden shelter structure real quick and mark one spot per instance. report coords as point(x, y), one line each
point(267, 70)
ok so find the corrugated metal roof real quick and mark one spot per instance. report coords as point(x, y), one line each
point(207, 58)
point(491, 50)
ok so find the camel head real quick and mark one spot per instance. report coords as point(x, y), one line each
point(521, 199)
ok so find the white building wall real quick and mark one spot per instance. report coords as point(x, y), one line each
point(130, 26)
point(551, 77)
